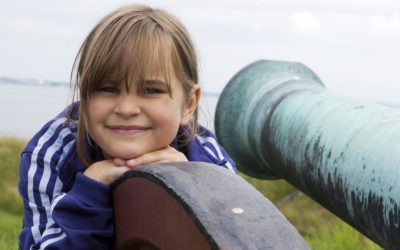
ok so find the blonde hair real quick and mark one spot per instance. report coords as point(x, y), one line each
point(128, 45)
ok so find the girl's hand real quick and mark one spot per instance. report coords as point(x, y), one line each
point(167, 154)
point(105, 171)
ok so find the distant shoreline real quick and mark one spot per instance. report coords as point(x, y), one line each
point(46, 83)
point(32, 82)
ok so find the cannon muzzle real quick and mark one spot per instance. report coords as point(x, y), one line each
point(277, 120)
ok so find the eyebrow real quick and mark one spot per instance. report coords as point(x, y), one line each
point(154, 82)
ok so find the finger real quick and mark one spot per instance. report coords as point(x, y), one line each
point(153, 162)
point(147, 158)
point(105, 171)
point(163, 155)
point(114, 174)
point(119, 162)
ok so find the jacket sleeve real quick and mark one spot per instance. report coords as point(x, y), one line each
point(210, 148)
point(217, 153)
point(55, 219)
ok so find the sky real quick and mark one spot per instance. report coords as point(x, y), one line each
point(352, 45)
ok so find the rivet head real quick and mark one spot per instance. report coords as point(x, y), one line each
point(237, 210)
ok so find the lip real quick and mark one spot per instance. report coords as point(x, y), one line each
point(128, 130)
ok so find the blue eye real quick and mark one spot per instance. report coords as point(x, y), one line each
point(111, 90)
point(153, 90)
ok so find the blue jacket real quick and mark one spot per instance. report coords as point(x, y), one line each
point(64, 209)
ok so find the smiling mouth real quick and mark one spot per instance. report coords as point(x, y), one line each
point(128, 130)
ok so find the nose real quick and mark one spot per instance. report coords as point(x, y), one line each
point(127, 105)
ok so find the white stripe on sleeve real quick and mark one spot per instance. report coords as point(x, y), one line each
point(47, 168)
point(31, 174)
point(50, 241)
point(56, 200)
point(214, 143)
point(51, 231)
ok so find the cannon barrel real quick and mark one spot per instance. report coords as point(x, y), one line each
point(277, 120)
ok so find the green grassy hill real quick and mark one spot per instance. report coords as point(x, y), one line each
point(320, 228)
point(10, 202)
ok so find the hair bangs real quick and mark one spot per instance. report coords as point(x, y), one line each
point(127, 52)
point(148, 57)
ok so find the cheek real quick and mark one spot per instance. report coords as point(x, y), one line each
point(96, 110)
point(171, 113)
point(92, 112)
point(98, 107)
point(167, 115)
point(95, 102)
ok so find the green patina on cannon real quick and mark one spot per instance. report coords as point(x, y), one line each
point(277, 120)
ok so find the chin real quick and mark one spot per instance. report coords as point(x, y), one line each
point(126, 155)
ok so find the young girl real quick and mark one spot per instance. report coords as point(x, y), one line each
point(137, 78)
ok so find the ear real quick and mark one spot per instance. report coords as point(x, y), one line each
point(191, 105)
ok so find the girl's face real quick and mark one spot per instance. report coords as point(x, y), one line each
point(129, 124)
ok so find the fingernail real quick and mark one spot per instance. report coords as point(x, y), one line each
point(119, 161)
point(131, 162)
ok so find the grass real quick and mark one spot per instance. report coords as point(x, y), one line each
point(10, 149)
point(320, 228)
point(10, 202)
point(340, 236)
point(9, 229)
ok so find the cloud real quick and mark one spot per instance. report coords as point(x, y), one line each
point(306, 22)
point(385, 23)
point(36, 27)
